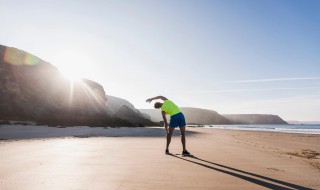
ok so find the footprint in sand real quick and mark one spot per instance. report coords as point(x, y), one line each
point(275, 169)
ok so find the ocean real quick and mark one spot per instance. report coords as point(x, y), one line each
point(305, 129)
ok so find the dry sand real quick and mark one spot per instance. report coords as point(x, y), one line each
point(224, 159)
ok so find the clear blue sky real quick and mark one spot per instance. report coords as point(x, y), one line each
point(230, 56)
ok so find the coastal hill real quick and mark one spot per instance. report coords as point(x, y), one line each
point(196, 116)
point(209, 117)
point(254, 119)
point(203, 116)
point(303, 122)
point(35, 90)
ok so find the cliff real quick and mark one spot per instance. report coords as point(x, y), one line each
point(122, 109)
point(34, 90)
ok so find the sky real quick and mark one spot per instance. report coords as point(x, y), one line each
point(230, 56)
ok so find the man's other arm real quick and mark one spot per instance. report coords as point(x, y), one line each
point(165, 120)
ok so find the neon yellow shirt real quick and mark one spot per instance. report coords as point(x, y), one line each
point(170, 108)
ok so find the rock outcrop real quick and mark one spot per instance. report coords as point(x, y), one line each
point(35, 90)
point(122, 109)
point(32, 89)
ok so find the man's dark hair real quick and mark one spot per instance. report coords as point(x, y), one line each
point(157, 105)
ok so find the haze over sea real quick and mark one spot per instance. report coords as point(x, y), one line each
point(305, 129)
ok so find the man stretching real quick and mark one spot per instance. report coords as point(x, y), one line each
point(176, 119)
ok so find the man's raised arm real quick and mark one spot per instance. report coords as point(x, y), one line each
point(155, 98)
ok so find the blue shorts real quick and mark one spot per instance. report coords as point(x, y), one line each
point(177, 120)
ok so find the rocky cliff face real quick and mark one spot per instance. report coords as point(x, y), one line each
point(32, 89)
point(122, 109)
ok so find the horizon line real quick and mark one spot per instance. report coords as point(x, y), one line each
point(260, 89)
point(273, 80)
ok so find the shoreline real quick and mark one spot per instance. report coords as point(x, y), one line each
point(16, 132)
point(8, 132)
point(297, 129)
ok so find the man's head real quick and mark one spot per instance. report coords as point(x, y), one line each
point(158, 105)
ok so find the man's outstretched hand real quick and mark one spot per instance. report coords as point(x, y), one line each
point(155, 98)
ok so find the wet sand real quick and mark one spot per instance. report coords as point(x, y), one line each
point(223, 159)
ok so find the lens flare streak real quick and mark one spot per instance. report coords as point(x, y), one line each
point(18, 57)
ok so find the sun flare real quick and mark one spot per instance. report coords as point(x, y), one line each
point(70, 73)
point(73, 66)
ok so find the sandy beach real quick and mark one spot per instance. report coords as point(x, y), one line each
point(133, 158)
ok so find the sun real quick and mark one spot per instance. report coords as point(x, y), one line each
point(70, 73)
point(73, 66)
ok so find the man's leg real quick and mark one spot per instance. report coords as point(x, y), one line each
point(171, 129)
point(183, 137)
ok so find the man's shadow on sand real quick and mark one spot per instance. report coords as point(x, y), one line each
point(267, 183)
